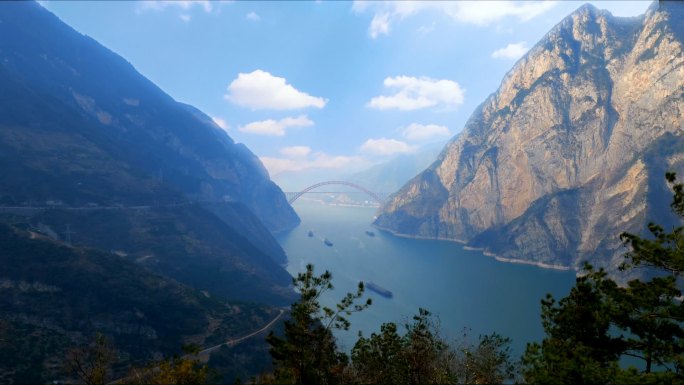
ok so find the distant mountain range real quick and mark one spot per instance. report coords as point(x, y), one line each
point(124, 203)
point(570, 151)
point(391, 175)
point(385, 177)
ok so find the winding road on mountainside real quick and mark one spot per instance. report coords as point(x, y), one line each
point(203, 355)
point(235, 341)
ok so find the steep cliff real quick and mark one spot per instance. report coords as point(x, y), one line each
point(88, 142)
point(568, 152)
point(63, 91)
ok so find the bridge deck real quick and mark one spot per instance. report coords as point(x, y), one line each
point(292, 196)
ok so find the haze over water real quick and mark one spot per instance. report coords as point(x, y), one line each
point(463, 287)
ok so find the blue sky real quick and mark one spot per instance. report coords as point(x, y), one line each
point(326, 85)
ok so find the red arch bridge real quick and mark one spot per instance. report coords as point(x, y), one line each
point(378, 197)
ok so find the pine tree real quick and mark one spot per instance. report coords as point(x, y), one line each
point(422, 356)
point(307, 353)
point(600, 321)
point(579, 347)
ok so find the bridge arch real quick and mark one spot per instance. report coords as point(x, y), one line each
point(373, 195)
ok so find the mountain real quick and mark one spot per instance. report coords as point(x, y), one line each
point(380, 178)
point(570, 151)
point(56, 297)
point(106, 112)
point(90, 147)
point(391, 175)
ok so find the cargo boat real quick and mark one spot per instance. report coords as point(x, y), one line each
point(380, 290)
point(327, 242)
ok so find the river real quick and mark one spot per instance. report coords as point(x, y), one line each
point(463, 288)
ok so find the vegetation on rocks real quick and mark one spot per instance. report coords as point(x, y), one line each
point(599, 322)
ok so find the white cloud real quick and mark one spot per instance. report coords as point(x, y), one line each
point(418, 132)
point(416, 93)
point(220, 122)
point(319, 160)
point(185, 5)
point(480, 13)
point(276, 166)
point(512, 51)
point(261, 90)
point(253, 16)
point(295, 151)
point(360, 6)
point(487, 12)
point(379, 25)
point(185, 17)
point(272, 127)
point(425, 29)
point(385, 146)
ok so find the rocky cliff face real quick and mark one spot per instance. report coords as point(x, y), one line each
point(570, 151)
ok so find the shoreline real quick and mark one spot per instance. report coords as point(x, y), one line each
point(351, 205)
point(541, 265)
point(538, 264)
point(343, 204)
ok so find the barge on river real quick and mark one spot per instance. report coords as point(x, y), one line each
point(380, 290)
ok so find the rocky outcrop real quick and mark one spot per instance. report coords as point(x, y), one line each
point(570, 151)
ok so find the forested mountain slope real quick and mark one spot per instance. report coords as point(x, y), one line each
point(95, 147)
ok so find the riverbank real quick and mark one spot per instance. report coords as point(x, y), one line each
point(341, 204)
point(484, 252)
point(440, 276)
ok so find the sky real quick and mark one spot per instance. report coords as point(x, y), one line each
point(328, 86)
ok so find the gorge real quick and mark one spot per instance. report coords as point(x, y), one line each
point(570, 151)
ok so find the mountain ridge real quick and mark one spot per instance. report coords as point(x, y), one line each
point(122, 212)
point(157, 180)
point(157, 131)
point(574, 114)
